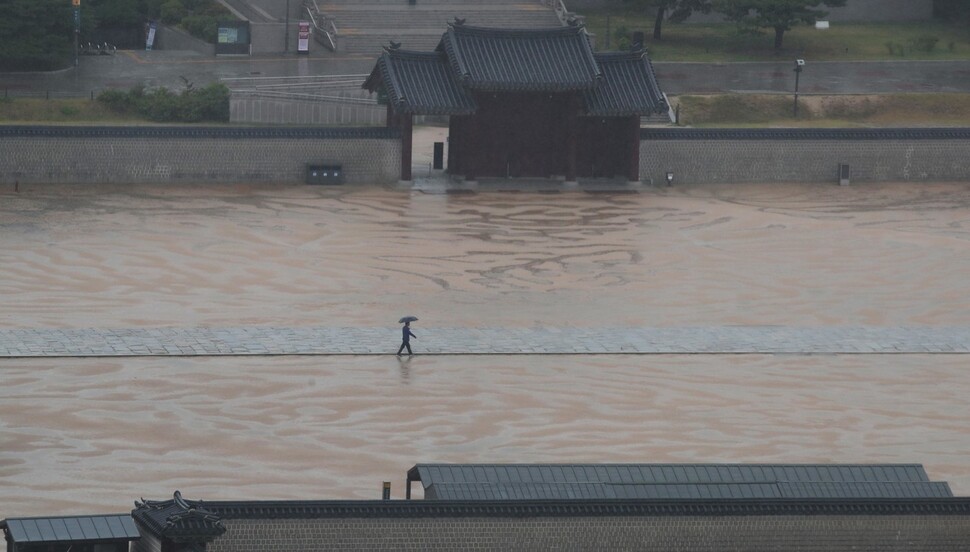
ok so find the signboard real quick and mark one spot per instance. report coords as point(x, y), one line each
point(232, 38)
point(303, 45)
point(150, 41)
point(228, 35)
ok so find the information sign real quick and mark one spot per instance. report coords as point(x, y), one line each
point(303, 44)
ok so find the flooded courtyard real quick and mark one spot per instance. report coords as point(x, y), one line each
point(88, 435)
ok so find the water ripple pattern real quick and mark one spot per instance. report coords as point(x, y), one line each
point(849, 292)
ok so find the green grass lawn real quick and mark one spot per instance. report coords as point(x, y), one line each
point(841, 42)
point(61, 111)
point(776, 110)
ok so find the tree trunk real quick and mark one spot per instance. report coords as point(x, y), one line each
point(779, 35)
point(657, 23)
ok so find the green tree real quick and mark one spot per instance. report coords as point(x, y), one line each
point(673, 10)
point(953, 11)
point(117, 13)
point(779, 15)
point(38, 35)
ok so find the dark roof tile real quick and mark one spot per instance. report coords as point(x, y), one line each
point(539, 60)
point(419, 82)
point(178, 518)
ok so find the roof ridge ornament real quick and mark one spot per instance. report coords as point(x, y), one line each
point(393, 45)
point(459, 21)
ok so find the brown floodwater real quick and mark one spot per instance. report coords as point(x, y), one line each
point(91, 435)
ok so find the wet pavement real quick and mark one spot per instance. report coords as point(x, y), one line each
point(481, 341)
point(173, 69)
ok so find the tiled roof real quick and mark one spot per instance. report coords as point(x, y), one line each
point(74, 529)
point(178, 519)
point(515, 60)
point(628, 87)
point(689, 481)
point(419, 82)
point(695, 491)
point(535, 60)
point(321, 509)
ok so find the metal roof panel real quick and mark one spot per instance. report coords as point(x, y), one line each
point(113, 527)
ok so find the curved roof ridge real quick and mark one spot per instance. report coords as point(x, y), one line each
point(398, 52)
point(620, 55)
point(518, 31)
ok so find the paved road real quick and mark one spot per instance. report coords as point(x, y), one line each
point(167, 68)
point(18, 343)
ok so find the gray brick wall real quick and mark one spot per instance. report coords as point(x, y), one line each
point(253, 108)
point(710, 159)
point(697, 534)
point(167, 154)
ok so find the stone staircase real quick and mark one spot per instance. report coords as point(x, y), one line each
point(364, 27)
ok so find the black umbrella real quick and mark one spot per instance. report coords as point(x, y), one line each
point(407, 319)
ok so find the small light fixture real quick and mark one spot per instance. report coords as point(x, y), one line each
point(670, 179)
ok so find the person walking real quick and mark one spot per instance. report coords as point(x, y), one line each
point(406, 336)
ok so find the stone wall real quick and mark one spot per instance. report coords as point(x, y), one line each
point(194, 154)
point(713, 156)
point(52, 154)
point(752, 533)
point(247, 107)
point(347, 107)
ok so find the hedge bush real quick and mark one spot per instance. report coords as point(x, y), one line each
point(192, 105)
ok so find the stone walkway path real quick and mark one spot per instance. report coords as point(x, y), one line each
point(265, 340)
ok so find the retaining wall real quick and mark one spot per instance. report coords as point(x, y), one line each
point(75, 154)
point(52, 154)
point(258, 107)
point(697, 156)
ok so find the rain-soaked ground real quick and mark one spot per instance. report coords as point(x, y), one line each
point(91, 435)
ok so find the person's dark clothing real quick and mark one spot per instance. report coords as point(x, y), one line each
point(406, 336)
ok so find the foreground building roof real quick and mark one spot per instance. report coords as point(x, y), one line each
point(904, 514)
point(177, 519)
point(73, 529)
point(674, 481)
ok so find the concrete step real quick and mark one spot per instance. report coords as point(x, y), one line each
point(373, 44)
